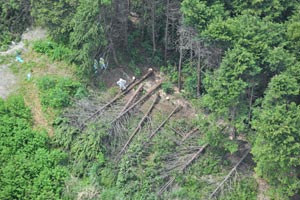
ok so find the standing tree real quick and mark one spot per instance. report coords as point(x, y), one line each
point(276, 148)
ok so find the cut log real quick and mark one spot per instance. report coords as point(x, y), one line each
point(164, 122)
point(139, 126)
point(130, 87)
point(132, 98)
point(138, 102)
point(215, 192)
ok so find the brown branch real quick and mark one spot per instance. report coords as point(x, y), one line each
point(188, 134)
point(139, 126)
point(150, 71)
point(164, 122)
point(214, 193)
point(165, 187)
point(138, 102)
point(177, 132)
point(170, 182)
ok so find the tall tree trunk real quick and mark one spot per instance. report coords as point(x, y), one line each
point(125, 24)
point(250, 101)
point(199, 73)
point(179, 68)
point(166, 32)
point(153, 25)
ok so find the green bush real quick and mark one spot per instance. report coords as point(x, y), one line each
point(168, 87)
point(29, 169)
point(56, 92)
point(54, 50)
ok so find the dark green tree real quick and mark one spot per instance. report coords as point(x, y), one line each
point(56, 16)
point(14, 19)
point(276, 148)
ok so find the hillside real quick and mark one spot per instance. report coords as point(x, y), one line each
point(210, 111)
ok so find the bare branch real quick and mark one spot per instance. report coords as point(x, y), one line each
point(165, 121)
point(215, 193)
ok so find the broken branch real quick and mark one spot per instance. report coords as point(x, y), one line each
point(132, 98)
point(228, 175)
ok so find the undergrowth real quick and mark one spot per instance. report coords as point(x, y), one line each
point(53, 50)
point(57, 92)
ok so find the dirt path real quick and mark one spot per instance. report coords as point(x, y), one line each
point(8, 81)
point(33, 101)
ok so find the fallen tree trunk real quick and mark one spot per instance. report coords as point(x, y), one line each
point(215, 192)
point(166, 186)
point(139, 126)
point(164, 122)
point(193, 158)
point(138, 102)
point(132, 98)
point(131, 86)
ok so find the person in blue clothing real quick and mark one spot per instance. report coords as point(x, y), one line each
point(18, 57)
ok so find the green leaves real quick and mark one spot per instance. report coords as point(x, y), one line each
point(199, 14)
point(28, 169)
point(56, 16)
point(56, 92)
point(52, 49)
point(277, 124)
point(14, 19)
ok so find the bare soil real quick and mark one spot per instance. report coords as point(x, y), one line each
point(8, 81)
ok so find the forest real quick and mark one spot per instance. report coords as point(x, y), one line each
point(212, 113)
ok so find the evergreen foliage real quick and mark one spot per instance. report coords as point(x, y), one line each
point(14, 19)
point(56, 92)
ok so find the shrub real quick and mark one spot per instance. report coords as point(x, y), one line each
point(54, 50)
point(29, 169)
point(56, 92)
point(167, 87)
